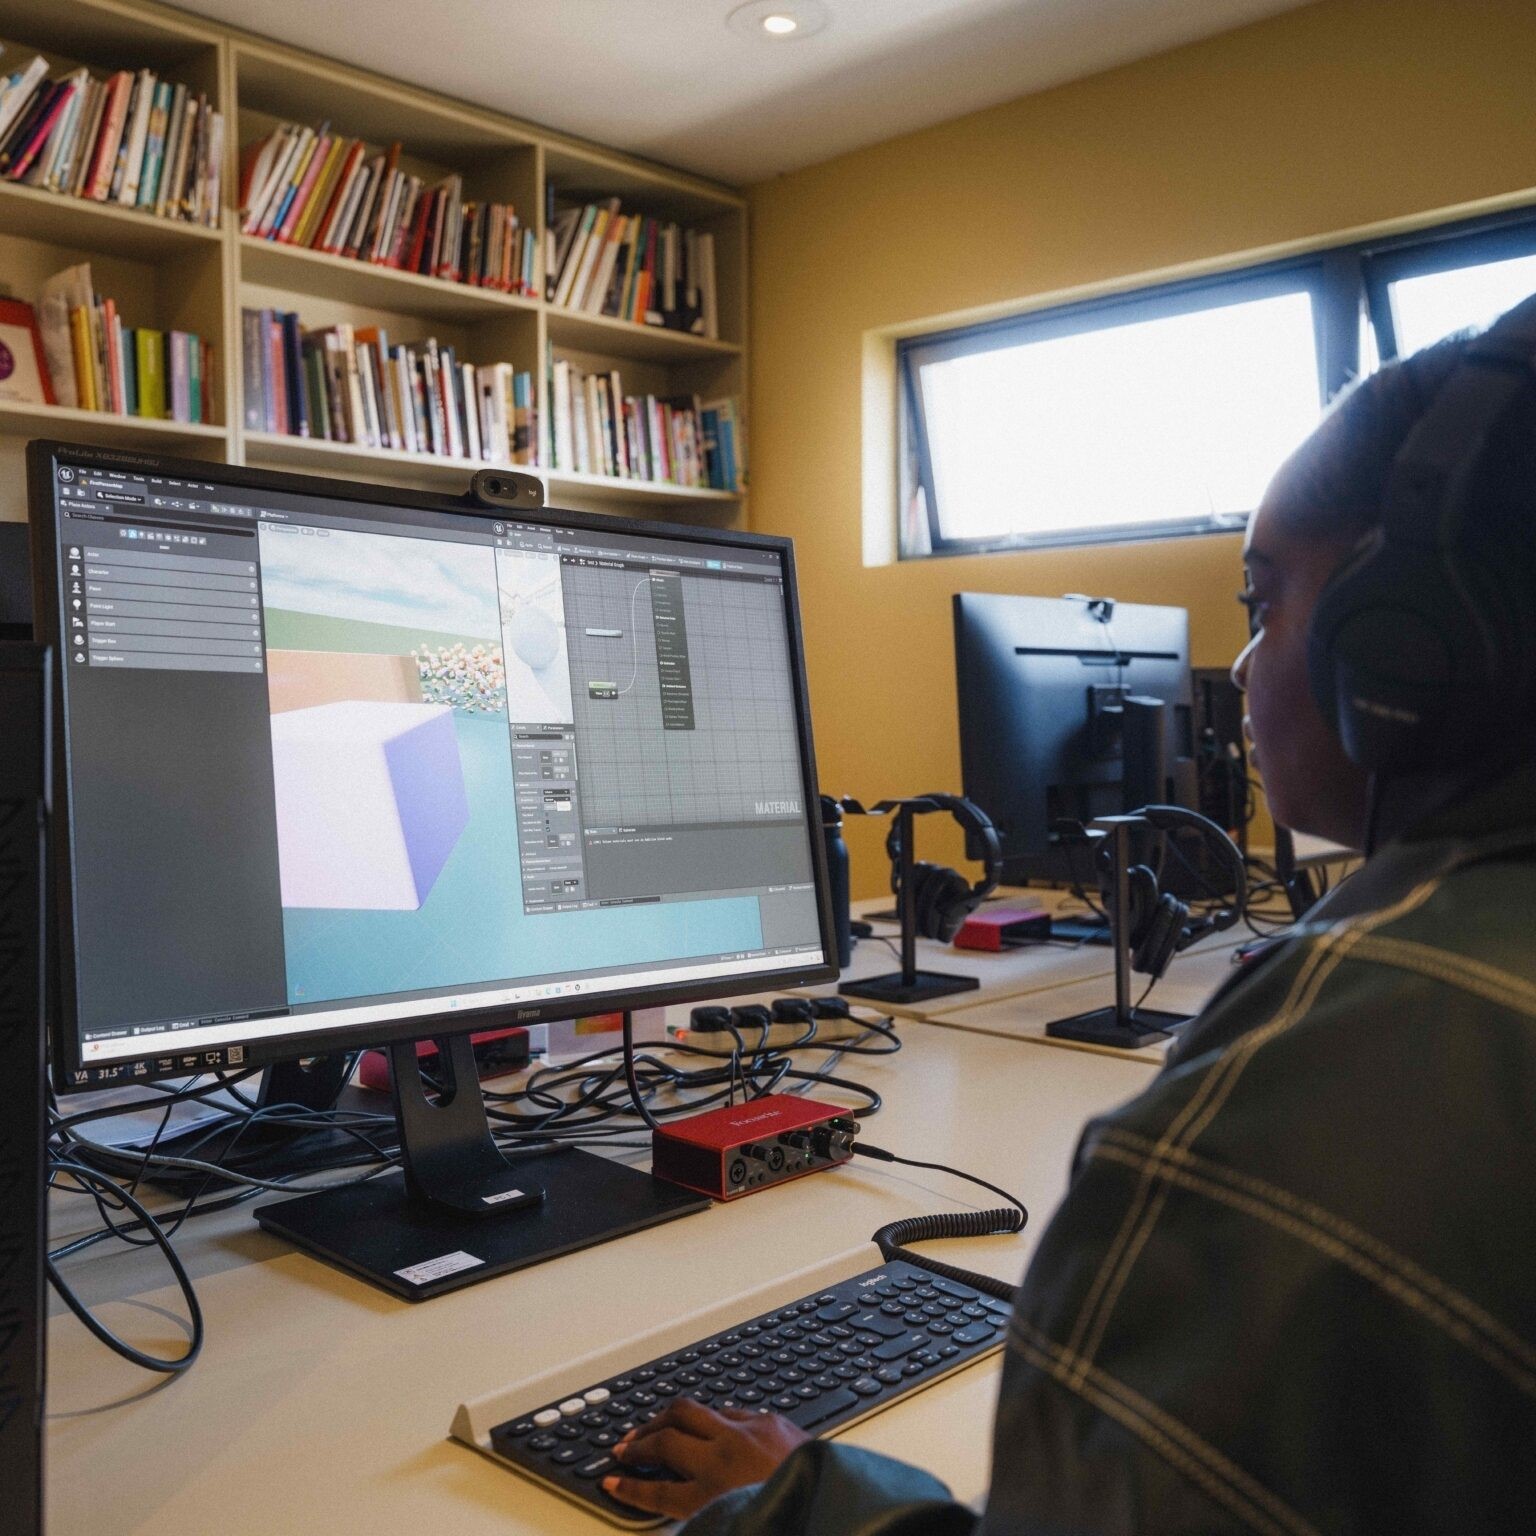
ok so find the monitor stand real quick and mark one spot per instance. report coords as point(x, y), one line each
point(461, 1210)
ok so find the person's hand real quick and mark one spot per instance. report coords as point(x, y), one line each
point(711, 1452)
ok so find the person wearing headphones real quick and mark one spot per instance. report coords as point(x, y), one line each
point(1292, 1286)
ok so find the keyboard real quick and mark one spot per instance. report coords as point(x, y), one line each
point(823, 1361)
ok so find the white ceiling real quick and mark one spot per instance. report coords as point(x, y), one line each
point(669, 80)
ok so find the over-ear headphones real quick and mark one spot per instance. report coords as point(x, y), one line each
point(943, 897)
point(1420, 640)
point(1160, 924)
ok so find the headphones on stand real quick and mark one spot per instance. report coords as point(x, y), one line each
point(1419, 641)
point(944, 898)
point(1160, 924)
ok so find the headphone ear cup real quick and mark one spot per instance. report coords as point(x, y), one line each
point(944, 908)
point(923, 890)
point(953, 901)
point(1141, 903)
point(1161, 941)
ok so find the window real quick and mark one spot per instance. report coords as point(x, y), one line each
point(1166, 411)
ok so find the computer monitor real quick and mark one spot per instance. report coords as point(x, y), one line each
point(1058, 698)
point(341, 765)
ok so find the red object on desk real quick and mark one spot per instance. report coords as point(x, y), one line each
point(999, 928)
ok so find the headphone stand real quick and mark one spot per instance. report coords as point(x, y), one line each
point(1122, 1026)
point(909, 985)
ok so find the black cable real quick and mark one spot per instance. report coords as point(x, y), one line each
point(129, 1352)
point(892, 1238)
point(636, 1098)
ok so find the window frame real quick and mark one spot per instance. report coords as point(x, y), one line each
point(1349, 283)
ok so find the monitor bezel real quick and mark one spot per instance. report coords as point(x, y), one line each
point(43, 459)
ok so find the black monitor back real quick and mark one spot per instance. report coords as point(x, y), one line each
point(1039, 682)
point(23, 701)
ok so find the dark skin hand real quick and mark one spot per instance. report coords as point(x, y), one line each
point(712, 1452)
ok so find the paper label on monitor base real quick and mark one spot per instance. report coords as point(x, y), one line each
point(505, 1195)
point(438, 1268)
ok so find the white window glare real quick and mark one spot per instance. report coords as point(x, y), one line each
point(1428, 308)
point(1177, 419)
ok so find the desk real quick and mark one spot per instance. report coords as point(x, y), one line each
point(1190, 980)
point(321, 1405)
point(1031, 969)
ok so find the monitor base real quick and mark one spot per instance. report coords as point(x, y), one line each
point(894, 988)
point(416, 1250)
point(1107, 1026)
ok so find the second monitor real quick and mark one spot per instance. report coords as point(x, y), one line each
point(1070, 708)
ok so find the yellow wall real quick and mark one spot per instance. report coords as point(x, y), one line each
point(1342, 114)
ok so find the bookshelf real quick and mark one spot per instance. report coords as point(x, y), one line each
point(171, 274)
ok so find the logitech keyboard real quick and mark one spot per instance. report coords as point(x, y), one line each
point(823, 1361)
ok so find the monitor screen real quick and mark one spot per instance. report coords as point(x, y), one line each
point(339, 766)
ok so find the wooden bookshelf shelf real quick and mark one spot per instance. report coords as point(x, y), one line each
point(24, 420)
point(276, 450)
point(83, 225)
point(622, 338)
point(607, 488)
point(346, 280)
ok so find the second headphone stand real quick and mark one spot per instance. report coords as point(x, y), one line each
point(1122, 1025)
point(908, 985)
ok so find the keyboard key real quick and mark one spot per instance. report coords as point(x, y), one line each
point(949, 1288)
point(595, 1396)
point(749, 1395)
point(975, 1333)
point(873, 1322)
point(888, 1374)
point(568, 1431)
point(904, 1282)
point(898, 1349)
point(835, 1311)
point(515, 1430)
point(785, 1401)
point(893, 1308)
point(605, 1437)
point(866, 1386)
point(826, 1406)
point(912, 1367)
point(598, 1466)
point(569, 1455)
point(544, 1442)
point(572, 1406)
point(593, 1420)
point(546, 1416)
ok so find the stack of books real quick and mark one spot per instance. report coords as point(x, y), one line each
point(347, 384)
point(601, 261)
point(96, 363)
point(132, 139)
point(311, 187)
point(596, 429)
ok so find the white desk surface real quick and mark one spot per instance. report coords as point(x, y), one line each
point(1025, 971)
point(322, 1405)
point(1189, 982)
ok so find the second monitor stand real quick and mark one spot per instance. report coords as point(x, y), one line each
point(1122, 1024)
point(459, 1209)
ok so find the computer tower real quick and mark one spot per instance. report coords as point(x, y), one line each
point(23, 708)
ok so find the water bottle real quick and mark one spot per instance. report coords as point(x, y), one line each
point(837, 876)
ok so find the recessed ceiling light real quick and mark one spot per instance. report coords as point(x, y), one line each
point(779, 21)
